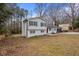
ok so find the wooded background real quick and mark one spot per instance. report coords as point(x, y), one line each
point(11, 15)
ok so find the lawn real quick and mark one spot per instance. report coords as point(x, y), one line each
point(57, 45)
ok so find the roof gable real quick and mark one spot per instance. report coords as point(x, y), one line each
point(34, 18)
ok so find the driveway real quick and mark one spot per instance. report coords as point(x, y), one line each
point(69, 33)
point(63, 33)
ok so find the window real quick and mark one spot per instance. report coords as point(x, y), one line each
point(42, 31)
point(49, 29)
point(43, 24)
point(32, 31)
point(32, 23)
point(35, 23)
point(54, 28)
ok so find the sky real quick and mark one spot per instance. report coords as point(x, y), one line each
point(28, 6)
point(31, 6)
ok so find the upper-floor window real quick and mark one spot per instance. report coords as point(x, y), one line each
point(32, 23)
point(43, 24)
point(35, 23)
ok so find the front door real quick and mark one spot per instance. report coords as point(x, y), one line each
point(47, 30)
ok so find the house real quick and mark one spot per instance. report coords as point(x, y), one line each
point(33, 27)
point(65, 27)
point(53, 29)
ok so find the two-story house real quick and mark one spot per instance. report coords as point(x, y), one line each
point(33, 27)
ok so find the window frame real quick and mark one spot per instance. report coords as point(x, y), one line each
point(43, 24)
point(33, 23)
point(32, 31)
point(42, 31)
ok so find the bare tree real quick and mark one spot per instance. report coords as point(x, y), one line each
point(72, 11)
point(40, 9)
point(53, 13)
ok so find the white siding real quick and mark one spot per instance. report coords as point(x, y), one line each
point(37, 32)
point(53, 30)
point(26, 30)
point(38, 24)
point(23, 29)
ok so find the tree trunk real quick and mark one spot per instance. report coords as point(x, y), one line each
point(72, 27)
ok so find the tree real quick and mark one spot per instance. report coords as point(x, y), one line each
point(72, 12)
point(18, 15)
point(11, 16)
point(53, 14)
point(40, 9)
point(23, 14)
point(5, 13)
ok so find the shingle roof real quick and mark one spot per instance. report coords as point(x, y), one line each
point(25, 20)
point(53, 26)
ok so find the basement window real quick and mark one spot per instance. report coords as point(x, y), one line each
point(32, 31)
point(49, 29)
point(42, 31)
